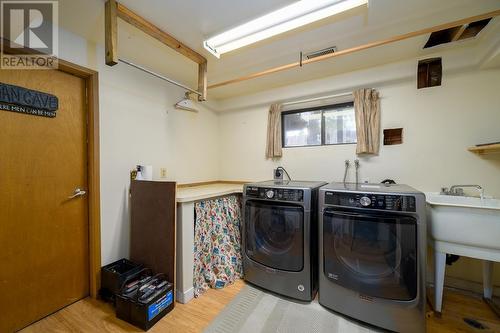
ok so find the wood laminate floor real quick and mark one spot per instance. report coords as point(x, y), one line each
point(90, 315)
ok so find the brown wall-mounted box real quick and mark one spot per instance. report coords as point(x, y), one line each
point(393, 136)
point(429, 73)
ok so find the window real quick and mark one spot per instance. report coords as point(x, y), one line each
point(326, 125)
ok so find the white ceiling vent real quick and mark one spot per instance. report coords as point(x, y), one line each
point(321, 52)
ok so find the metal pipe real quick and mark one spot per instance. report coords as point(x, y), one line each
point(345, 171)
point(356, 165)
point(164, 78)
point(317, 98)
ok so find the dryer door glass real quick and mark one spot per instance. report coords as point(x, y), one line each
point(274, 234)
point(375, 255)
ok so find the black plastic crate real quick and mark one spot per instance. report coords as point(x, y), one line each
point(114, 275)
point(145, 313)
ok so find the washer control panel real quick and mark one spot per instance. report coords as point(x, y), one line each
point(282, 194)
point(403, 203)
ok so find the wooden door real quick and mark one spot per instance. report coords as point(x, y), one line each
point(44, 236)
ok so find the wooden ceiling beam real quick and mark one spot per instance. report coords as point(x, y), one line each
point(393, 39)
point(114, 9)
point(459, 32)
point(202, 81)
point(111, 32)
point(152, 30)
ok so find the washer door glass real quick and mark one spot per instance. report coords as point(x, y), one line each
point(373, 254)
point(274, 234)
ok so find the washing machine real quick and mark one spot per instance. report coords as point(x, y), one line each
point(372, 248)
point(280, 236)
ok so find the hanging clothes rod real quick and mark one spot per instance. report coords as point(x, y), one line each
point(164, 78)
point(317, 98)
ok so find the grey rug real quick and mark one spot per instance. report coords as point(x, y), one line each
point(254, 310)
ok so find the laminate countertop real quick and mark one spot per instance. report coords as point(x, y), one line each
point(201, 192)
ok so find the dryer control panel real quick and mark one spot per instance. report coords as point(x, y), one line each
point(282, 194)
point(401, 203)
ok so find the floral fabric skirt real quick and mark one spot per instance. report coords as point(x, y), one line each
point(217, 243)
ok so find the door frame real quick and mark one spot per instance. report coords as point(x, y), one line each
point(91, 78)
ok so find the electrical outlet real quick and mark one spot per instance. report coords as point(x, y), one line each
point(163, 172)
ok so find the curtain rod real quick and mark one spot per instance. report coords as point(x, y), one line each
point(164, 78)
point(317, 98)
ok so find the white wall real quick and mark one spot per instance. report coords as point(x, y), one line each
point(439, 124)
point(139, 125)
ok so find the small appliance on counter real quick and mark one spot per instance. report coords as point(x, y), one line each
point(372, 263)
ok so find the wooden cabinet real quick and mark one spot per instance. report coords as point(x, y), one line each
point(152, 226)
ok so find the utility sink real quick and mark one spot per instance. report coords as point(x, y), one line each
point(464, 223)
point(465, 226)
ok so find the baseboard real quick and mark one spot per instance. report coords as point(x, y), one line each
point(471, 286)
point(186, 296)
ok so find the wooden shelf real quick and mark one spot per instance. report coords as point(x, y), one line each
point(486, 149)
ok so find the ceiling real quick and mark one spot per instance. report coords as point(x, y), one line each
point(192, 21)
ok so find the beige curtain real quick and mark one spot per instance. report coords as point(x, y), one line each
point(367, 110)
point(273, 145)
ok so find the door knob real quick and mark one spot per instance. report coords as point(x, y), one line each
point(78, 193)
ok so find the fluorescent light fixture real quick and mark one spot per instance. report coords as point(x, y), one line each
point(298, 14)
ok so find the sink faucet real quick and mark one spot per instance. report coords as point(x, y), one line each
point(458, 190)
